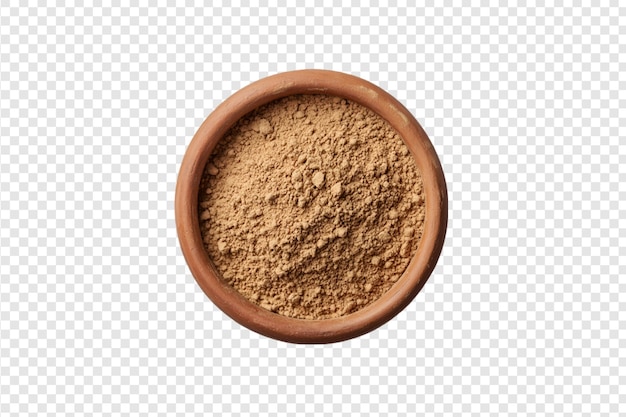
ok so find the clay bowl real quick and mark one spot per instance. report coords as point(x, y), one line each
point(234, 304)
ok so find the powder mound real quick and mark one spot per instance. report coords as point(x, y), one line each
point(311, 206)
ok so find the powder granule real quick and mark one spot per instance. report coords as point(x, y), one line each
point(311, 206)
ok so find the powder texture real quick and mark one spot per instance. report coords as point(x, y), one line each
point(311, 206)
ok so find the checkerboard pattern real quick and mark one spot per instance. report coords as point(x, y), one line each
point(523, 315)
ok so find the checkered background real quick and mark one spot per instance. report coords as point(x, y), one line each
point(524, 313)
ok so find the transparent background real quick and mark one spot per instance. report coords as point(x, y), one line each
point(524, 313)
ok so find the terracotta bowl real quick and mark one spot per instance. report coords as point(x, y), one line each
point(249, 314)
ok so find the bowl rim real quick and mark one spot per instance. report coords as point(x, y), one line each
point(234, 304)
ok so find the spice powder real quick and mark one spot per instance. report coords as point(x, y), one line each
point(311, 206)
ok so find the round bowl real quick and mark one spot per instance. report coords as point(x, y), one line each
point(232, 302)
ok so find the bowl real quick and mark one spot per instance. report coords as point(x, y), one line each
point(232, 302)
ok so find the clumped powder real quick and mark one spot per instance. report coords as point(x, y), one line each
point(311, 206)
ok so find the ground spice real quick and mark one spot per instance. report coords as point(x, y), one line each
point(311, 206)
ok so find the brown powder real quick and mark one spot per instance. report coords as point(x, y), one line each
point(311, 206)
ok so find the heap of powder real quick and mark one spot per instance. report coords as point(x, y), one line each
point(311, 206)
